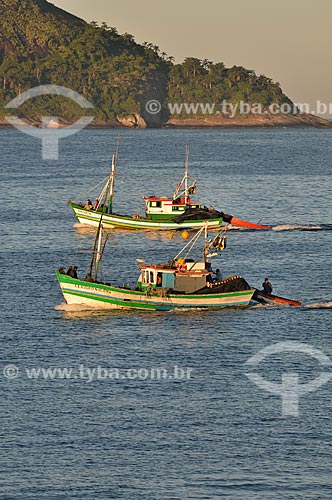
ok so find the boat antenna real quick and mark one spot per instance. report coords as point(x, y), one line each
point(188, 190)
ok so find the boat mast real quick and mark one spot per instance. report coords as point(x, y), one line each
point(112, 177)
point(186, 177)
point(99, 252)
point(206, 244)
point(111, 186)
point(108, 191)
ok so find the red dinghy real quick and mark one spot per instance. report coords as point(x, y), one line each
point(248, 225)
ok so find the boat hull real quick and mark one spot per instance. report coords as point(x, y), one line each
point(100, 296)
point(248, 225)
point(92, 218)
point(265, 298)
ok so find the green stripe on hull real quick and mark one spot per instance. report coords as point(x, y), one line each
point(131, 223)
point(122, 303)
point(64, 278)
point(130, 299)
point(195, 224)
point(151, 306)
point(165, 217)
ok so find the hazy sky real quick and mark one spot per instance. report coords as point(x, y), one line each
point(287, 40)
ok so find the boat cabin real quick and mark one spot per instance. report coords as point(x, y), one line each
point(167, 208)
point(184, 276)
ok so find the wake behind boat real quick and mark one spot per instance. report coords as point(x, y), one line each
point(161, 213)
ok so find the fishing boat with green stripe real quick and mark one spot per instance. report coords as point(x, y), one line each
point(181, 283)
point(180, 212)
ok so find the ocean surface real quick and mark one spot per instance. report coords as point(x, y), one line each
point(122, 433)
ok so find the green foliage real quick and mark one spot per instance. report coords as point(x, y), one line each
point(203, 81)
point(41, 44)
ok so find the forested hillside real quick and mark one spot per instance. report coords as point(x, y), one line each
point(41, 44)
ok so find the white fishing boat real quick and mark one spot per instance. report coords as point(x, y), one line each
point(180, 283)
point(179, 212)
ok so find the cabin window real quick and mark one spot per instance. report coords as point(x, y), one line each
point(148, 277)
point(155, 204)
point(159, 279)
point(194, 206)
point(176, 209)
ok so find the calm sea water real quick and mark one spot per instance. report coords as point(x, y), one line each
point(215, 435)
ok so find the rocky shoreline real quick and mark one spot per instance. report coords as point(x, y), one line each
point(216, 121)
point(262, 120)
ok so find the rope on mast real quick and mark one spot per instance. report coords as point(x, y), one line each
point(90, 190)
point(193, 239)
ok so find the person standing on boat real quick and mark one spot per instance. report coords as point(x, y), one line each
point(267, 287)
